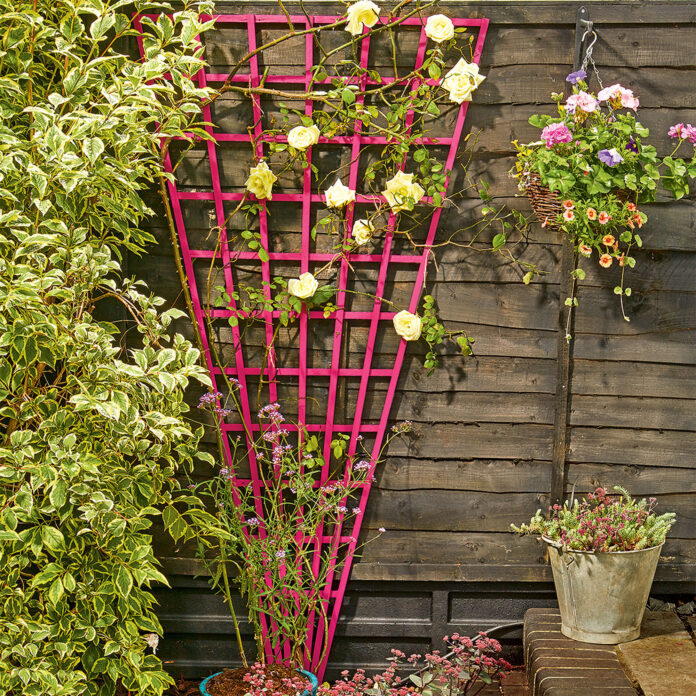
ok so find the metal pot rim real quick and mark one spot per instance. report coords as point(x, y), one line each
point(557, 545)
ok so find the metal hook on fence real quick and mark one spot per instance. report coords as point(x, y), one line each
point(585, 40)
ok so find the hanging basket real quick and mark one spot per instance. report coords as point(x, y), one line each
point(546, 204)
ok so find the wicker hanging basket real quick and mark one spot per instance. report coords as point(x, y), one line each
point(545, 203)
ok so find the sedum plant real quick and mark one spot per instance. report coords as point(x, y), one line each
point(602, 523)
point(91, 434)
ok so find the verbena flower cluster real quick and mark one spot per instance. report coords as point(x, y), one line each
point(270, 528)
point(602, 522)
point(467, 668)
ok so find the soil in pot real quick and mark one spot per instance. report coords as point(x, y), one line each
point(231, 681)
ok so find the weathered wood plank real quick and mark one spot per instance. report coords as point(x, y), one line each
point(634, 379)
point(519, 11)
point(404, 473)
point(635, 447)
point(641, 481)
point(633, 412)
point(461, 511)
point(485, 440)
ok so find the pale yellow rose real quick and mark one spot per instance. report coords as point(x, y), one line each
point(400, 189)
point(363, 12)
point(303, 287)
point(407, 325)
point(301, 137)
point(439, 28)
point(338, 195)
point(260, 181)
point(462, 80)
point(362, 231)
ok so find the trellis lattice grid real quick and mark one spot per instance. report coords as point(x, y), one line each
point(321, 632)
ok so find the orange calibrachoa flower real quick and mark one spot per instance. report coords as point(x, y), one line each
point(621, 259)
point(569, 215)
point(568, 204)
point(591, 214)
point(631, 206)
point(605, 260)
point(638, 219)
point(604, 217)
point(585, 250)
point(608, 240)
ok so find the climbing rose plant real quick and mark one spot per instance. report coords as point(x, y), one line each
point(91, 433)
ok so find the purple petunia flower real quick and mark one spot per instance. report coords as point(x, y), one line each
point(556, 133)
point(632, 145)
point(574, 77)
point(610, 157)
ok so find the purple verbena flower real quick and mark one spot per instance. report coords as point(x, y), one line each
point(361, 466)
point(253, 521)
point(610, 157)
point(280, 554)
point(556, 133)
point(208, 398)
point(574, 77)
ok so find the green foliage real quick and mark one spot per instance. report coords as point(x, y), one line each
point(91, 434)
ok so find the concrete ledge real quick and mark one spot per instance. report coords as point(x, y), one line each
point(662, 662)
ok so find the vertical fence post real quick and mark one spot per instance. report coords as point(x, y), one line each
point(564, 346)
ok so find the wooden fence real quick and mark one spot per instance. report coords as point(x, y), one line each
point(483, 449)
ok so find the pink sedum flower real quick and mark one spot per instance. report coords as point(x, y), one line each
point(556, 133)
point(583, 101)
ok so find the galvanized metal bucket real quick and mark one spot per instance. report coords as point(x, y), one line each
point(602, 596)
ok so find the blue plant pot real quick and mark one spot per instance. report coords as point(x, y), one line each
point(309, 692)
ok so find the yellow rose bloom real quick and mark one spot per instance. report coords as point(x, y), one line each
point(362, 231)
point(260, 181)
point(302, 137)
point(338, 195)
point(303, 287)
point(462, 80)
point(439, 28)
point(400, 189)
point(363, 12)
point(407, 325)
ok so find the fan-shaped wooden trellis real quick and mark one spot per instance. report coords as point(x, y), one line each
point(336, 586)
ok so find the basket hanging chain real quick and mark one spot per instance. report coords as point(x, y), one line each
point(588, 59)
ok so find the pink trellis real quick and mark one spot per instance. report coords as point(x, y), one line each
point(319, 633)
